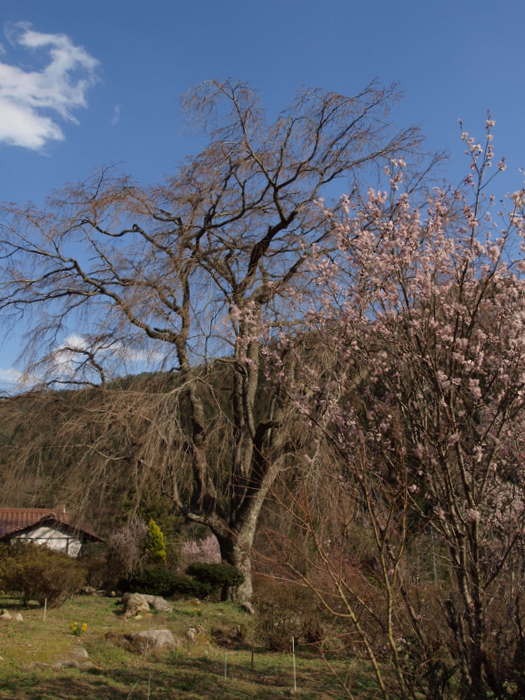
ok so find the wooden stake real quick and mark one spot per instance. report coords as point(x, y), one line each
point(294, 667)
point(434, 566)
point(225, 666)
point(44, 614)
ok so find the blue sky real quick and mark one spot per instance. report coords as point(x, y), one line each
point(451, 59)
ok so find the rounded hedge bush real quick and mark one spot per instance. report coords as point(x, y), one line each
point(33, 572)
point(219, 577)
point(161, 581)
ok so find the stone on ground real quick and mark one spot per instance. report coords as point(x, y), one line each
point(145, 642)
point(134, 604)
point(138, 603)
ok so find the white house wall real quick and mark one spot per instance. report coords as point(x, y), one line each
point(52, 538)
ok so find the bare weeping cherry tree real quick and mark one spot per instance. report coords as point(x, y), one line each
point(199, 271)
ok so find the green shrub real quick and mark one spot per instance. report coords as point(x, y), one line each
point(219, 577)
point(156, 542)
point(157, 580)
point(187, 586)
point(199, 581)
point(34, 572)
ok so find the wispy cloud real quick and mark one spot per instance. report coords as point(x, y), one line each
point(32, 102)
point(115, 118)
point(13, 379)
point(10, 376)
point(79, 359)
point(80, 353)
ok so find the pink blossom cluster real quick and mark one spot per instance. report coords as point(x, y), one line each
point(421, 308)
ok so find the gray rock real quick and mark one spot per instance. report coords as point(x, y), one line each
point(88, 590)
point(191, 634)
point(134, 604)
point(145, 642)
point(197, 635)
point(80, 653)
point(158, 603)
point(138, 603)
point(18, 617)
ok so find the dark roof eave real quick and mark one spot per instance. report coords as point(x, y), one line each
point(50, 519)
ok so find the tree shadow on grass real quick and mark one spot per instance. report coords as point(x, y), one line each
point(181, 677)
point(17, 605)
point(189, 681)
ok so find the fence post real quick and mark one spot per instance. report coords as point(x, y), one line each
point(294, 667)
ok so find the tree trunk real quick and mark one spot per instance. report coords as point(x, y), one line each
point(236, 539)
point(236, 549)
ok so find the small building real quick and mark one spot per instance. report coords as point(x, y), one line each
point(45, 526)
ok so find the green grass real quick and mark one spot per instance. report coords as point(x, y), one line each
point(30, 648)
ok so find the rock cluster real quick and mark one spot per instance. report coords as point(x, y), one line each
point(6, 615)
point(140, 603)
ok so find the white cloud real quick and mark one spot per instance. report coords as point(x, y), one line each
point(115, 118)
point(75, 342)
point(12, 378)
point(66, 358)
point(66, 362)
point(136, 355)
point(31, 100)
point(10, 375)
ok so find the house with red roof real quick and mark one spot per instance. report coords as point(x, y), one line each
point(51, 527)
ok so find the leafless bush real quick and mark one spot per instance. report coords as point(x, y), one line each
point(126, 549)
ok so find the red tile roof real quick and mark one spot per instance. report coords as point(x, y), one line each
point(15, 519)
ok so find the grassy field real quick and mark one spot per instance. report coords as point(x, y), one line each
point(30, 651)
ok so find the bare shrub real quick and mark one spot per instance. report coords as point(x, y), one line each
point(285, 610)
point(126, 549)
point(35, 572)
